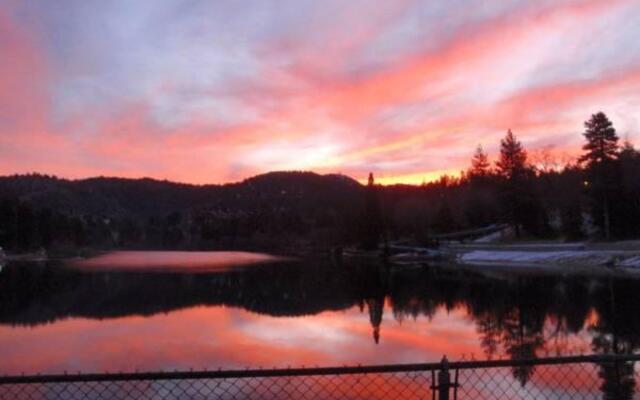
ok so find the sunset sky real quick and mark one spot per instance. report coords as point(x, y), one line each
point(217, 91)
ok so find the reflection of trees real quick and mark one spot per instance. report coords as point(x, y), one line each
point(618, 382)
point(517, 316)
point(376, 306)
point(36, 294)
point(523, 328)
point(511, 314)
point(517, 326)
point(371, 283)
point(616, 333)
point(519, 332)
point(489, 327)
point(522, 337)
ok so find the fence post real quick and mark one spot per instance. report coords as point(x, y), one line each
point(444, 380)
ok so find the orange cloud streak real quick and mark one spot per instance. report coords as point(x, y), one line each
point(342, 120)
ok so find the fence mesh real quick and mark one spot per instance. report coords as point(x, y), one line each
point(592, 377)
point(352, 386)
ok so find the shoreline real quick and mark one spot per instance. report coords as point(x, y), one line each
point(578, 255)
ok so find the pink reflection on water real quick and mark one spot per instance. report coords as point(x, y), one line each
point(230, 338)
point(213, 337)
point(174, 261)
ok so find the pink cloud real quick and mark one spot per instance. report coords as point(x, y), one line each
point(409, 118)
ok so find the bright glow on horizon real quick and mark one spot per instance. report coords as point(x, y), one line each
point(413, 179)
point(211, 92)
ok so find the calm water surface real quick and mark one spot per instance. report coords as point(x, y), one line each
point(129, 311)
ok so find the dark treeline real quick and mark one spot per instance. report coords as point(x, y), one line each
point(596, 196)
point(525, 316)
point(269, 211)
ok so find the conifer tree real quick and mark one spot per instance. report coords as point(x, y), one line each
point(520, 206)
point(480, 205)
point(602, 141)
point(479, 163)
point(513, 158)
point(510, 168)
point(372, 223)
point(601, 152)
point(628, 204)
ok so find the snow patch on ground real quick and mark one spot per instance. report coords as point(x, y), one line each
point(633, 262)
point(583, 258)
point(536, 257)
point(490, 238)
point(533, 246)
point(496, 236)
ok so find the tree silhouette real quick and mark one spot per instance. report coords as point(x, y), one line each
point(628, 206)
point(519, 204)
point(602, 141)
point(480, 201)
point(522, 335)
point(285, 210)
point(601, 151)
point(614, 334)
point(376, 310)
point(490, 328)
point(480, 166)
point(512, 164)
point(372, 223)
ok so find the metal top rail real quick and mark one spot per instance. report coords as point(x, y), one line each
point(315, 371)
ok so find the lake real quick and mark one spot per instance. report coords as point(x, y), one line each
point(135, 311)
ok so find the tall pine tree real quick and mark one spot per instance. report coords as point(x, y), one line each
point(372, 224)
point(480, 203)
point(601, 153)
point(512, 164)
point(520, 205)
point(602, 141)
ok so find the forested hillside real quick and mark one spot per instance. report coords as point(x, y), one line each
point(594, 196)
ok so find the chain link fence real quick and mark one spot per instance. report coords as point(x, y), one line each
point(583, 377)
